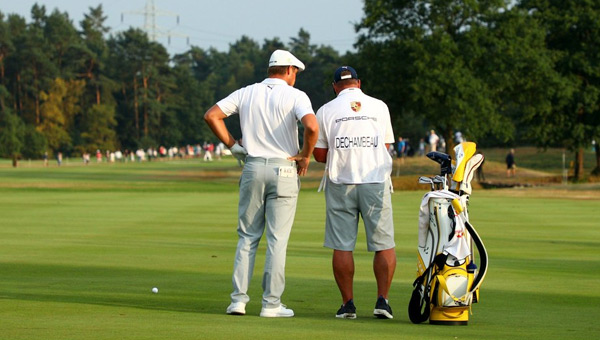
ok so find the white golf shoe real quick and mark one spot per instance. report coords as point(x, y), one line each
point(276, 312)
point(236, 308)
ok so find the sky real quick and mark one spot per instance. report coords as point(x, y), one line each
point(218, 23)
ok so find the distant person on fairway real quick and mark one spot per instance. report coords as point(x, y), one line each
point(355, 131)
point(511, 166)
point(421, 147)
point(269, 186)
point(433, 140)
point(401, 149)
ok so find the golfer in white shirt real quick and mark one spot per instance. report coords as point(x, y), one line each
point(269, 185)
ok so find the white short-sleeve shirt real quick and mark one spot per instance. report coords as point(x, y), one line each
point(354, 127)
point(269, 112)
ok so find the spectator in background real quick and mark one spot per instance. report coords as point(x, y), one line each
point(140, 154)
point(511, 166)
point(208, 150)
point(421, 147)
point(458, 137)
point(219, 150)
point(408, 149)
point(433, 140)
point(401, 149)
point(86, 158)
point(150, 154)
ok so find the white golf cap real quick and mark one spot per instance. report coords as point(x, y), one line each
point(285, 58)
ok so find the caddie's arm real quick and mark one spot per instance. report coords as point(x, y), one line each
point(215, 118)
point(311, 133)
point(320, 154)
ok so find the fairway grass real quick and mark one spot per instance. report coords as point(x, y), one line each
point(82, 247)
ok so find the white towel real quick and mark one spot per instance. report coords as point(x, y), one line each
point(458, 245)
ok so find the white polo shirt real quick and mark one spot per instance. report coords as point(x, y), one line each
point(269, 112)
point(355, 127)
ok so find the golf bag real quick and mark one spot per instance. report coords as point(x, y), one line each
point(448, 278)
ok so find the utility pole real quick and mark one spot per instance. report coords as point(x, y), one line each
point(150, 12)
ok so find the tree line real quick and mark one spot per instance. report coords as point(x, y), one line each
point(78, 89)
point(501, 72)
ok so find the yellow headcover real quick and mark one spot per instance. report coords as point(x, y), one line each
point(463, 151)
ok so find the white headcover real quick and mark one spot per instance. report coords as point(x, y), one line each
point(470, 167)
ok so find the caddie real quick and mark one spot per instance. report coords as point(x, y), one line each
point(355, 132)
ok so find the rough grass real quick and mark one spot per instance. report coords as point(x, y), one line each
point(81, 248)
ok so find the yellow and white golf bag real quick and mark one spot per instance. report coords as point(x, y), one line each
point(448, 278)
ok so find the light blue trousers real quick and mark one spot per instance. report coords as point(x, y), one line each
point(268, 196)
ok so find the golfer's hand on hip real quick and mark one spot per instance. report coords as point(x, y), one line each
point(301, 163)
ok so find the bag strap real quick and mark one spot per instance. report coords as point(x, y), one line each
point(483, 257)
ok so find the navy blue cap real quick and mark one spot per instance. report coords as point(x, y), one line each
point(343, 73)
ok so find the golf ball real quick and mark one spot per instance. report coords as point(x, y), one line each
point(154, 290)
